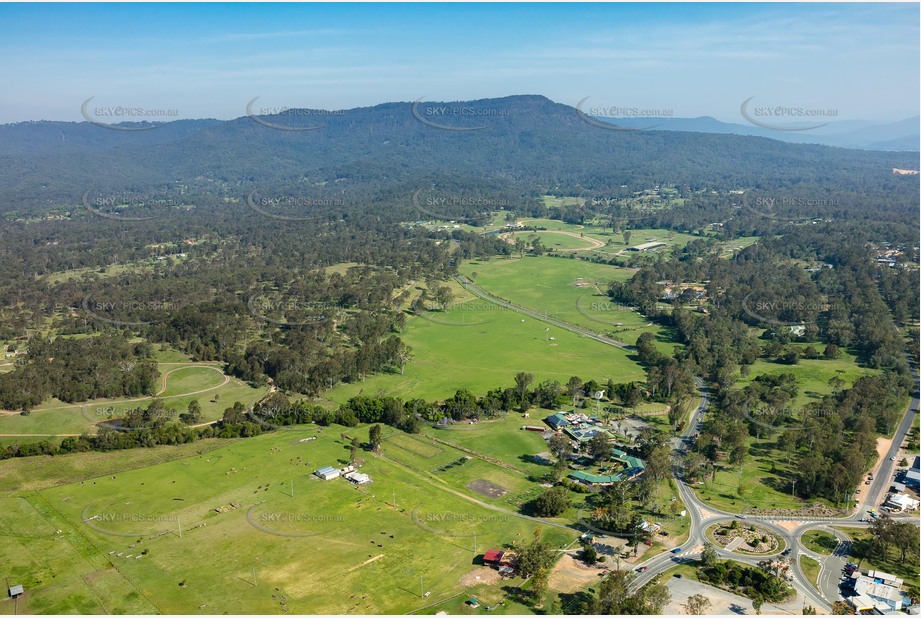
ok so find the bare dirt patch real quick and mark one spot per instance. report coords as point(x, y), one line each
point(571, 575)
point(485, 488)
point(368, 561)
point(788, 525)
point(482, 575)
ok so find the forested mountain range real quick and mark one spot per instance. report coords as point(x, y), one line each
point(521, 145)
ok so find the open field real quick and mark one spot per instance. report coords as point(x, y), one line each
point(180, 384)
point(556, 240)
point(812, 376)
point(480, 346)
point(613, 243)
point(260, 555)
point(762, 487)
point(570, 290)
point(501, 439)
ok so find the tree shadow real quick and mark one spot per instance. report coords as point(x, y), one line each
point(576, 603)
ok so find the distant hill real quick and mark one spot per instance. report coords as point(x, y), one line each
point(902, 135)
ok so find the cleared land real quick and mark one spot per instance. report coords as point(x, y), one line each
point(181, 383)
point(570, 290)
point(282, 540)
point(480, 346)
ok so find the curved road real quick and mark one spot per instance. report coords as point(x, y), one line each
point(703, 516)
point(831, 566)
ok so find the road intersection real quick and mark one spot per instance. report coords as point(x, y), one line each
point(703, 516)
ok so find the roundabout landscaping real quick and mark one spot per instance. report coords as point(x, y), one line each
point(745, 538)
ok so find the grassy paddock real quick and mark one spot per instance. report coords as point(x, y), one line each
point(259, 533)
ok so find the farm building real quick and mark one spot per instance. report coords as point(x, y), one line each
point(499, 558)
point(647, 246)
point(16, 590)
point(358, 478)
point(327, 473)
point(556, 421)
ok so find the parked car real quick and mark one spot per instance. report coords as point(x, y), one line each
point(647, 542)
point(678, 575)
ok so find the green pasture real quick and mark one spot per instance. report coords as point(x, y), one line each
point(203, 382)
point(246, 528)
point(478, 345)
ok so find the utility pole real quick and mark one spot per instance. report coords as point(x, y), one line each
point(180, 526)
point(421, 588)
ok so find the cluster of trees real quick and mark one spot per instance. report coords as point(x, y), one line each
point(615, 598)
point(888, 533)
point(754, 583)
point(145, 427)
point(75, 369)
point(667, 379)
point(827, 445)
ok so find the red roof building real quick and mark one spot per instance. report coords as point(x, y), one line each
point(493, 556)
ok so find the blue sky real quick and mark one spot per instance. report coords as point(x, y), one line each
point(209, 60)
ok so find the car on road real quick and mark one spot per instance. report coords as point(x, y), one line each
point(740, 516)
point(677, 550)
point(642, 569)
point(892, 458)
point(785, 552)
